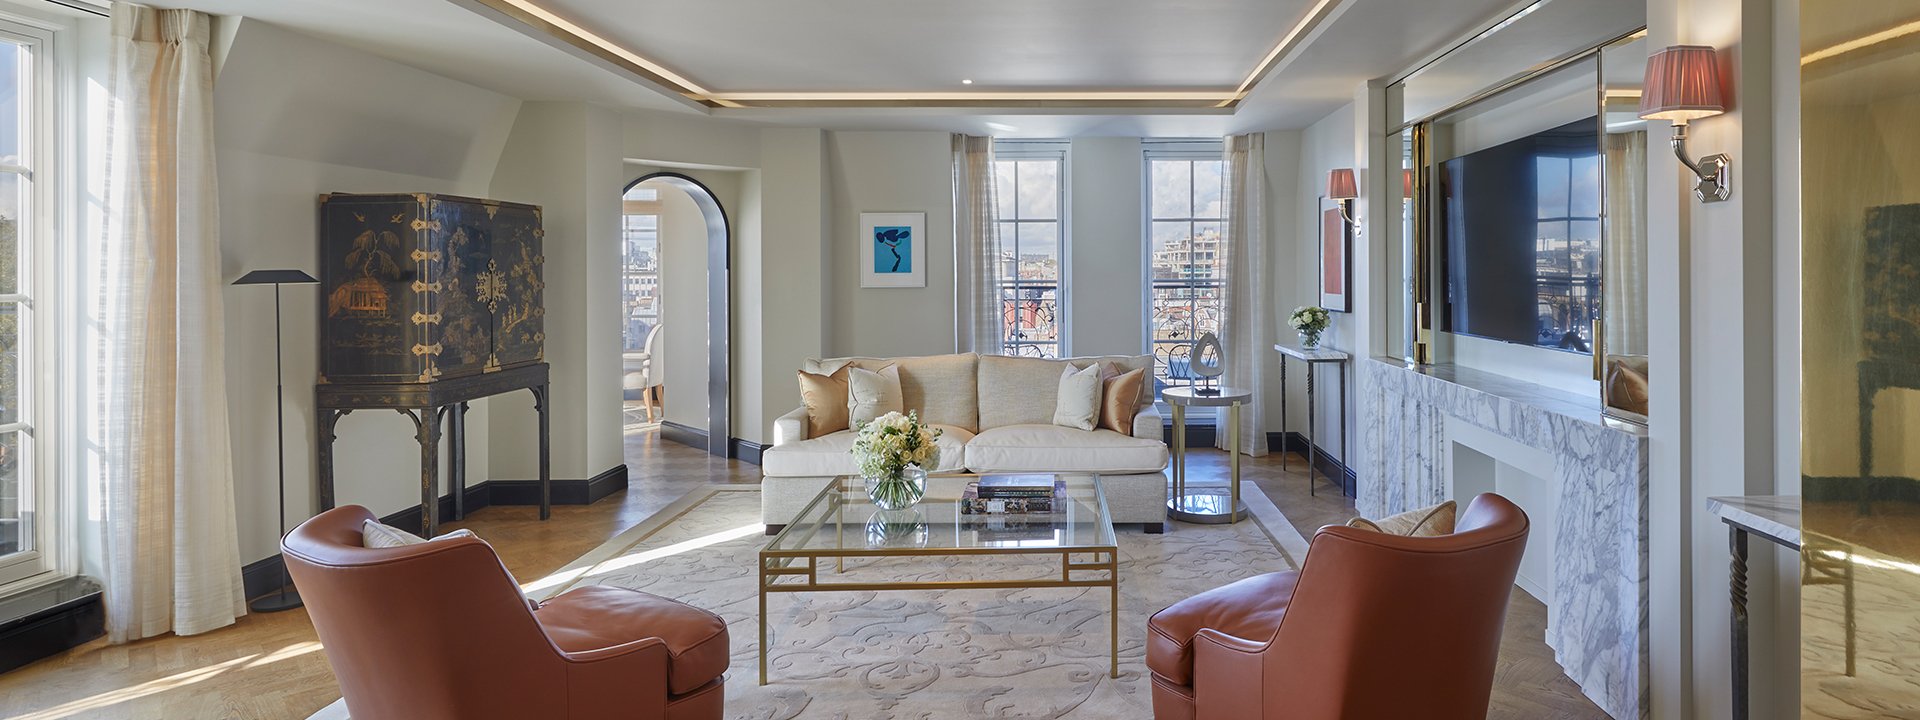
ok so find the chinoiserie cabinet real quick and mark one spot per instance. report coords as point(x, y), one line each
point(429, 302)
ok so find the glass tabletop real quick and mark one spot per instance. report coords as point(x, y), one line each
point(842, 521)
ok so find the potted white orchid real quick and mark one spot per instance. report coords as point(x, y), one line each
point(1310, 320)
point(893, 452)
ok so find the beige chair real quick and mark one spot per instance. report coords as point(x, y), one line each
point(644, 373)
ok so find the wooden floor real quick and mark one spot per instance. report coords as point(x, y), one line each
point(271, 666)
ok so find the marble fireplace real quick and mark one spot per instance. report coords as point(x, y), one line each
point(1440, 432)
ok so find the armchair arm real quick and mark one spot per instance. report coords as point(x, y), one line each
point(626, 680)
point(1147, 425)
point(791, 427)
point(1228, 676)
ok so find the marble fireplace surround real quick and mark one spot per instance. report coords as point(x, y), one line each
point(1597, 610)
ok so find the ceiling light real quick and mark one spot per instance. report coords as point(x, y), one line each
point(966, 82)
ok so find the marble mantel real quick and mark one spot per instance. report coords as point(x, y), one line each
point(1597, 613)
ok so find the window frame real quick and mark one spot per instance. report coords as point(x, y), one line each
point(1059, 152)
point(47, 242)
point(1175, 149)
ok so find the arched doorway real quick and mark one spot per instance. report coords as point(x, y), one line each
point(686, 212)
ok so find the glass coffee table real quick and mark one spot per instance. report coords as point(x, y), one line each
point(1075, 546)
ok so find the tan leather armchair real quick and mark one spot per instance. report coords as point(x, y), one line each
point(438, 630)
point(1372, 627)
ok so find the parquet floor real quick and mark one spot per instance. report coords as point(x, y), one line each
point(271, 666)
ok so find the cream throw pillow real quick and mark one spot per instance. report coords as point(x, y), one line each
point(376, 535)
point(1078, 404)
point(872, 393)
point(1424, 522)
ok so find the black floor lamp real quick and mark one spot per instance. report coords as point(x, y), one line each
point(286, 599)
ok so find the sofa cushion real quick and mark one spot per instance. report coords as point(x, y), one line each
point(1120, 400)
point(1432, 521)
point(589, 618)
point(1023, 391)
point(1249, 609)
point(939, 387)
point(1045, 447)
point(825, 399)
point(1077, 398)
point(832, 454)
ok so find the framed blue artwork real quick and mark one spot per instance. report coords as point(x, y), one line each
point(893, 250)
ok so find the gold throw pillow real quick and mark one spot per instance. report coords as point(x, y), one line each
point(1121, 401)
point(1424, 522)
point(825, 397)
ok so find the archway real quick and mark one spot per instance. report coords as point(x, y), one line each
point(717, 433)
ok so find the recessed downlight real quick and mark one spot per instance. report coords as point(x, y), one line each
point(966, 82)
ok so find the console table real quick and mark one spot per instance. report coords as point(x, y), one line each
point(1313, 357)
point(429, 405)
point(1775, 519)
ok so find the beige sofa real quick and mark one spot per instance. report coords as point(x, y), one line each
point(996, 416)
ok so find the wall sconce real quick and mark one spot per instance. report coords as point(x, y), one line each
point(1683, 84)
point(1342, 189)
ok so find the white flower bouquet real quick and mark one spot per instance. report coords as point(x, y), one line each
point(1310, 321)
point(893, 452)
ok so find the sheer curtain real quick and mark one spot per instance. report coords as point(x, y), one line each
point(1244, 335)
point(1626, 244)
point(981, 325)
point(172, 548)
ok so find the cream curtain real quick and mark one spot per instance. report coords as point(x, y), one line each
point(172, 550)
point(981, 324)
point(1626, 244)
point(1245, 336)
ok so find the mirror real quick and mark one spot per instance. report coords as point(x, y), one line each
point(1621, 348)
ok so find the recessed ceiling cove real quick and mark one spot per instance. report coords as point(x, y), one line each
point(768, 53)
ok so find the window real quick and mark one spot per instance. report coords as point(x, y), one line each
point(1185, 279)
point(25, 228)
point(639, 265)
point(1028, 187)
point(1567, 250)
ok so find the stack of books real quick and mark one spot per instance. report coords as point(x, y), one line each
point(1015, 495)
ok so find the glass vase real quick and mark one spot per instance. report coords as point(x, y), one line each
point(1310, 340)
point(899, 489)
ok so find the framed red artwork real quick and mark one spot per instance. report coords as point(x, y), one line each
point(1336, 243)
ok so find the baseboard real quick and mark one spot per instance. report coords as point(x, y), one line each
point(74, 614)
point(1198, 435)
point(263, 576)
point(747, 451)
point(1325, 463)
point(684, 434)
point(565, 492)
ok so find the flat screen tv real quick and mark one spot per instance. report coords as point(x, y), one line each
point(1520, 250)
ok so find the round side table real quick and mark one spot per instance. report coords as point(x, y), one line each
point(1207, 505)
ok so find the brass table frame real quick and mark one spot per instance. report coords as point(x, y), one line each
point(782, 571)
point(1203, 507)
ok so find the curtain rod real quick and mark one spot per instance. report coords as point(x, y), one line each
point(82, 6)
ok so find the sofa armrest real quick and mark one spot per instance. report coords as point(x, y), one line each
point(791, 427)
point(1147, 425)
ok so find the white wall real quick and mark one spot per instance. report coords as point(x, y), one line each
point(566, 157)
point(1324, 146)
point(890, 172)
point(296, 117)
point(1106, 249)
point(787, 260)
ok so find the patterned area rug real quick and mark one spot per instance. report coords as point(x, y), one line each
point(922, 655)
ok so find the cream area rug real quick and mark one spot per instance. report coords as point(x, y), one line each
point(927, 655)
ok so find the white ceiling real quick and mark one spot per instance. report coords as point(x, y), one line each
point(922, 45)
point(928, 45)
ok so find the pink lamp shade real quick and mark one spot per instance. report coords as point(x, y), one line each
point(1683, 83)
point(1341, 186)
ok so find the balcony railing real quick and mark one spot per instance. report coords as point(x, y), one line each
point(1183, 310)
point(1030, 312)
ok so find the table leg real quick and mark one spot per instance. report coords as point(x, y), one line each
point(1737, 541)
point(1180, 456)
point(1113, 619)
point(1311, 487)
point(1343, 428)
point(763, 621)
point(328, 418)
point(1284, 441)
point(1233, 462)
point(427, 426)
point(457, 458)
point(541, 398)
